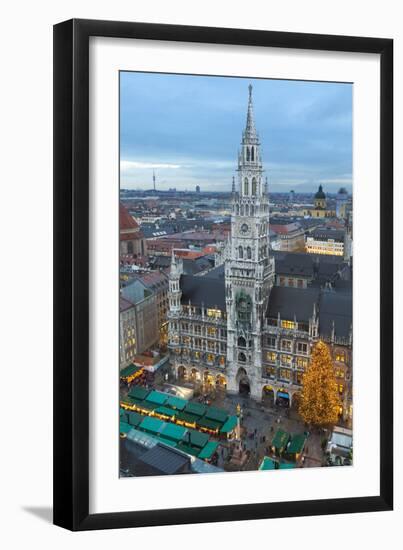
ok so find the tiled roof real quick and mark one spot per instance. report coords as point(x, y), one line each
point(336, 306)
point(286, 228)
point(201, 290)
point(290, 301)
point(126, 221)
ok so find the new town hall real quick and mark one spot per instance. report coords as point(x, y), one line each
point(235, 327)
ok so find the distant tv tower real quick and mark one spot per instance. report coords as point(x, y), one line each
point(154, 179)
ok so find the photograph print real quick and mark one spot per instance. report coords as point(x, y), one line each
point(235, 274)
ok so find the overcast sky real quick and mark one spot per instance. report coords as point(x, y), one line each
point(188, 129)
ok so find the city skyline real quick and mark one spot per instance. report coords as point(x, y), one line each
point(166, 128)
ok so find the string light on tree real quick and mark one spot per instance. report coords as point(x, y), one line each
point(320, 403)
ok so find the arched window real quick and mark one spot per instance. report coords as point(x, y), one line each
point(249, 252)
point(130, 248)
point(252, 210)
point(246, 188)
point(237, 208)
point(246, 209)
point(254, 186)
point(241, 209)
point(240, 252)
point(242, 357)
point(252, 154)
point(247, 154)
point(241, 342)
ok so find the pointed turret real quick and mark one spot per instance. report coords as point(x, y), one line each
point(250, 133)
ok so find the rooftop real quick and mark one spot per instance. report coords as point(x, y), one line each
point(126, 221)
point(200, 290)
point(291, 301)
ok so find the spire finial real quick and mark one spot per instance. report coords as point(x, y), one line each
point(250, 130)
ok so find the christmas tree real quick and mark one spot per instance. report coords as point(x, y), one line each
point(319, 403)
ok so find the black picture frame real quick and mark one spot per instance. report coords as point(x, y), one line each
point(71, 273)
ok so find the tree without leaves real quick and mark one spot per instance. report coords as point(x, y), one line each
point(319, 402)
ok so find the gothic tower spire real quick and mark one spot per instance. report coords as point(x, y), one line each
point(250, 133)
point(249, 268)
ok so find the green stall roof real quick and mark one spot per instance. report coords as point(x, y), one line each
point(165, 410)
point(207, 423)
point(173, 431)
point(128, 401)
point(123, 415)
point(198, 409)
point(208, 450)
point(176, 403)
point(134, 418)
point(219, 415)
point(267, 464)
point(229, 425)
point(190, 418)
point(128, 371)
point(152, 425)
point(195, 438)
point(146, 406)
point(157, 397)
point(125, 428)
point(296, 444)
point(138, 392)
point(280, 439)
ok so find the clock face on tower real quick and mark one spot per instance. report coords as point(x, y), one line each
point(244, 228)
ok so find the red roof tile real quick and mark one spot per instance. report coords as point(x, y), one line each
point(126, 221)
point(283, 229)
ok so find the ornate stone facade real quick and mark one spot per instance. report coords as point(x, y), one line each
point(232, 327)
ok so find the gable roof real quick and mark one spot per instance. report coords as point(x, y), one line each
point(201, 290)
point(126, 221)
point(290, 301)
point(337, 306)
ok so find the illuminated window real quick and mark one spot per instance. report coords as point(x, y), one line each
point(271, 371)
point(288, 324)
point(285, 374)
point(210, 358)
point(299, 377)
point(341, 388)
point(222, 361)
point(302, 363)
point(211, 331)
point(286, 359)
point(271, 356)
point(216, 313)
point(341, 356)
